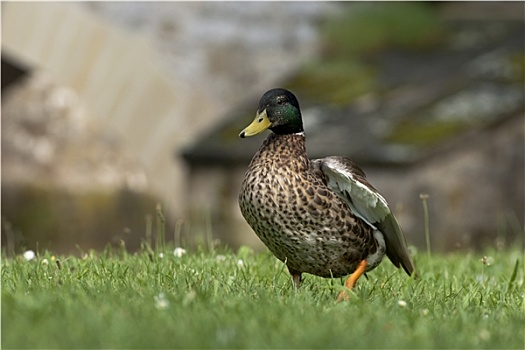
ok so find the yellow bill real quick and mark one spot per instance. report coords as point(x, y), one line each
point(259, 124)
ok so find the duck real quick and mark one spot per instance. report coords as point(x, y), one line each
point(318, 216)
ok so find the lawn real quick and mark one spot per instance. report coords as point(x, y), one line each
point(225, 299)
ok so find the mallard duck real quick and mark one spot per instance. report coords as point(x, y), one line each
point(318, 216)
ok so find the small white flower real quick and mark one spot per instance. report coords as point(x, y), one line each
point(220, 258)
point(484, 334)
point(240, 263)
point(487, 260)
point(44, 262)
point(225, 335)
point(29, 255)
point(425, 312)
point(402, 303)
point(161, 255)
point(179, 252)
point(189, 298)
point(161, 302)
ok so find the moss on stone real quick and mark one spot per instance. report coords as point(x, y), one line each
point(419, 133)
point(517, 63)
point(366, 28)
point(335, 82)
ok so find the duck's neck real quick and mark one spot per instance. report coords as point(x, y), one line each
point(285, 150)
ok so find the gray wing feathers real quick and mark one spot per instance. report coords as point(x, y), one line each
point(348, 181)
point(396, 246)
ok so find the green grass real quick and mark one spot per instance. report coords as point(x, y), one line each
point(242, 299)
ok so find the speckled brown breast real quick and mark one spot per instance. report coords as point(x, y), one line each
point(303, 223)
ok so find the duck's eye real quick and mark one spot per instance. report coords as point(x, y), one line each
point(280, 101)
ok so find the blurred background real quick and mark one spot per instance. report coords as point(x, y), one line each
point(120, 119)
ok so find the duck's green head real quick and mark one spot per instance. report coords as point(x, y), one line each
point(278, 111)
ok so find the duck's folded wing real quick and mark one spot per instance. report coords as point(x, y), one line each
point(349, 182)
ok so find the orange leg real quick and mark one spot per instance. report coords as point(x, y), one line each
point(350, 282)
